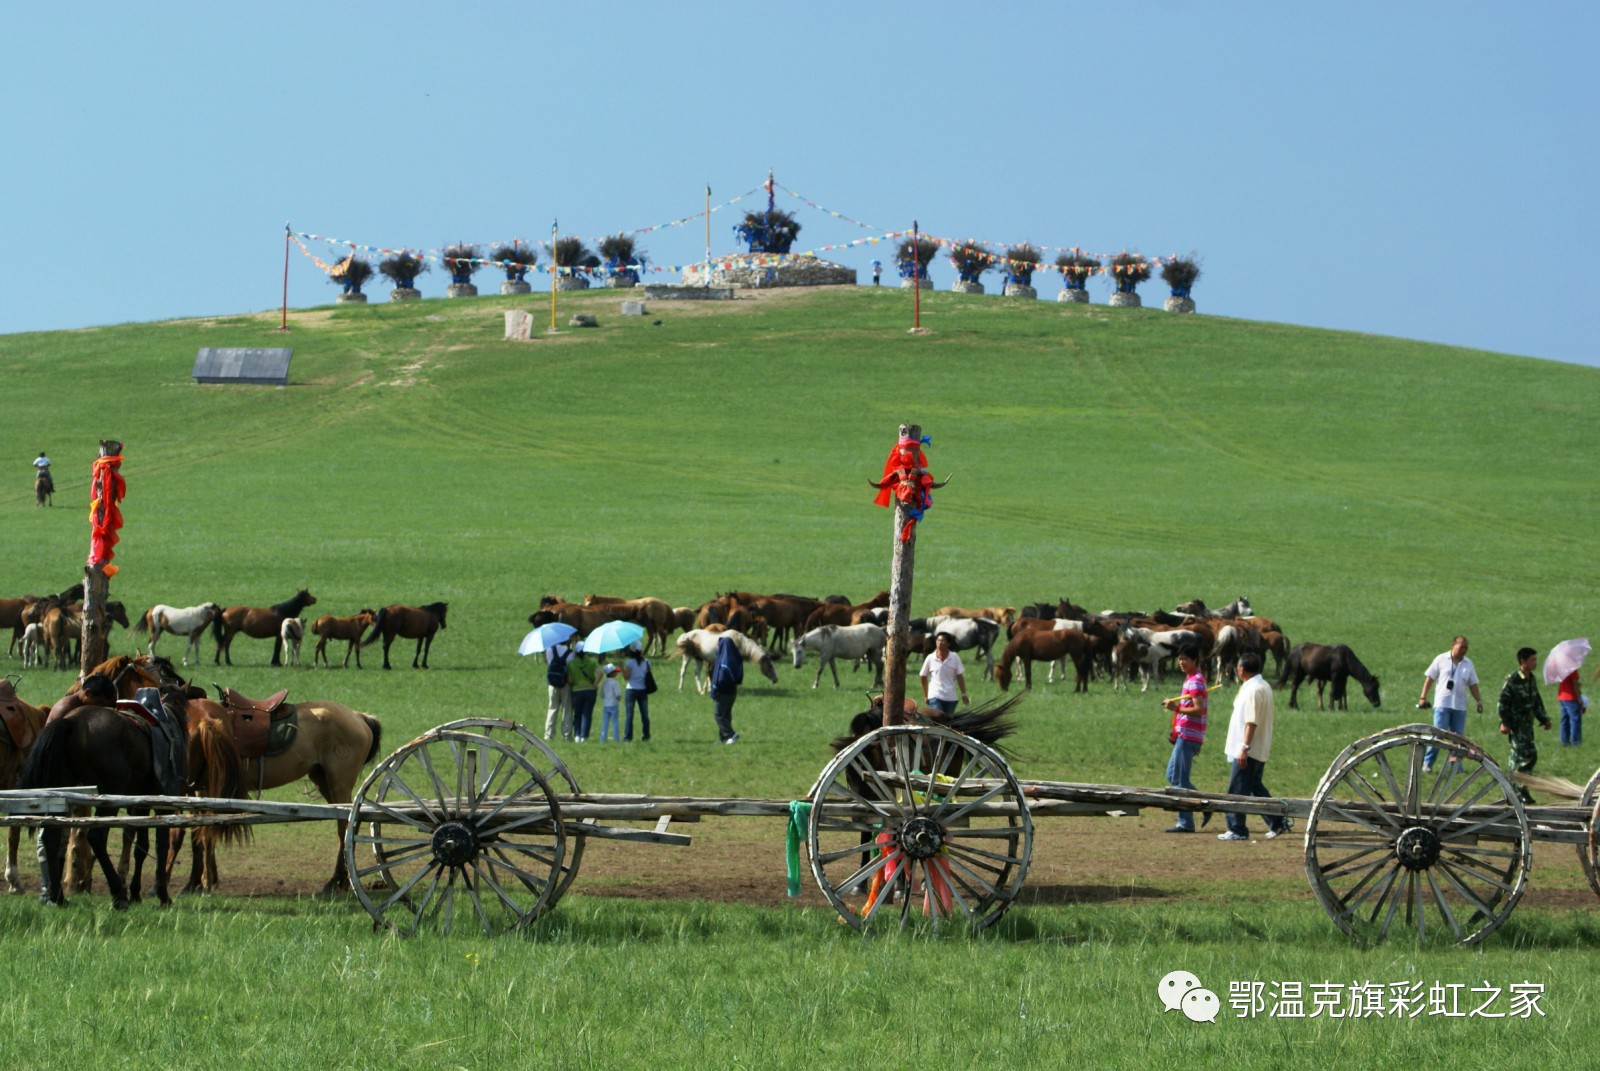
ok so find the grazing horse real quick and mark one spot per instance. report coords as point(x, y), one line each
point(292, 632)
point(189, 622)
point(1328, 663)
point(258, 623)
point(330, 745)
point(350, 629)
point(700, 647)
point(849, 642)
point(408, 622)
point(20, 724)
point(1046, 645)
point(114, 751)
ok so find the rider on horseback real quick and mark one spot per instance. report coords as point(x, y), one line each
point(41, 466)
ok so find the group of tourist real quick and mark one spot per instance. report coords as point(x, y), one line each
point(1451, 677)
point(577, 679)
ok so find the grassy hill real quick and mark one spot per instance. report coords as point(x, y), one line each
point(1372, 491)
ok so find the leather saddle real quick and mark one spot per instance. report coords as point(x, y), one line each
point(18, 725)
point(260, 728)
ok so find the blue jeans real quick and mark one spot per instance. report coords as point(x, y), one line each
point(943, 706)
point(631, 697)
point(1246, 781)
point(1178, 767)
point(1449, 719)
point(608, 722)
point(583, 712)
point(1572, 721)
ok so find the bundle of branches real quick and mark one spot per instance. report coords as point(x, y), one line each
point(573, 257)
point(622, 256)
point(971, 260)
point(772, 231)
point(913, 257)
point(515, 260)
point(1180, 274)
point(461, 261)
point(1128, 270)
point(1023, 259)
point(402, 269)
point(1076, 267)
point(351, 274)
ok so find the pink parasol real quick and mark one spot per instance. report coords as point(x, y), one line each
point(1564, 659)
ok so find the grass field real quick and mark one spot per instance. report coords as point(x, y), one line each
point(1376, 492)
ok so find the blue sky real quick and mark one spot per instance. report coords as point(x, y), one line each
point(1423, 170)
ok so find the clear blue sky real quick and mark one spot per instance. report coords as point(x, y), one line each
point(1419, 169)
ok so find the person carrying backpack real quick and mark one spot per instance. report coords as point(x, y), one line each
point(560, 691)
point(727, 673)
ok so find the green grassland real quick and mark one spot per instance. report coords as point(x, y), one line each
point(1377, 492)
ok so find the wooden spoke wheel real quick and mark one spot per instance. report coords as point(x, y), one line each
point(1444, 853)
point(1589, 854)
point(1367, 741)
point(887, 841)
point(461, 825)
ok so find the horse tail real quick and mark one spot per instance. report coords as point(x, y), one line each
point(47, 764)
point(216, 770)
point(1288, 666)
point(988, 723)
point(216, 627)
point(144, 623)
point(377, 737)
point(377, 628)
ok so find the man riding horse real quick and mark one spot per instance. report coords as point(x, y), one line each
point(43, 485)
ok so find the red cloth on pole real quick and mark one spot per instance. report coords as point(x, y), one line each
point(907, 454)
point(106, 488)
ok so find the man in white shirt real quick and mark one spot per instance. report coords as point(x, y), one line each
point(942, 676)
point(1250, 746)
point(1455, 675)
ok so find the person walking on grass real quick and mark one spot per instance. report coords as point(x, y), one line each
point(1188, 730)
point(1520, 705)
point(1455, 675)
point(727, 673)
point(1250, 746)
point(943, 676)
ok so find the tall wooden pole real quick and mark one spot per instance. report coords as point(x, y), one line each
point(92, 642)
point(555, 272)
point(902, 565)
point(916, 276)
point(283, 325)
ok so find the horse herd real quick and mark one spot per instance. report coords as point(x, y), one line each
point(46, 628)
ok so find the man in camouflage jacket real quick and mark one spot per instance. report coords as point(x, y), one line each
point(1520, 704)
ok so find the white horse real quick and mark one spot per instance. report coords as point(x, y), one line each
point(291, 632)
point(190, 621)
point(33, 646)
point(969, 634)
point(700, 647)
point(849, 642)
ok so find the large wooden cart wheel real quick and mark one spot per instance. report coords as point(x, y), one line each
point(887, 840)
point(1445, 853)
point(1589, 854)
point(1367, 741)
point(459, 824)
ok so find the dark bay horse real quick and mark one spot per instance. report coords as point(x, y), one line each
point(258, 623)
point(1328, 663)
point(408, 622)
point(44, 489)
point(113, 751)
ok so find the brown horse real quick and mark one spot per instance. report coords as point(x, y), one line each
point(20, 723)
point(350, 629)
point(330, 745)
point(408, 622)
point(63, 627)
point(258, 623)
point(655, 615)
point(113, 751)
point(583, 618)
point(1040, 645)
point(44, 489)
point(11, 611)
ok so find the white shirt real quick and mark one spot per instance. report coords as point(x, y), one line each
point(941, 676)
point(1443, 671)
point(1252, 706)
point(41, 462)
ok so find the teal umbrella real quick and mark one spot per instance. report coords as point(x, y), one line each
point(613, 636)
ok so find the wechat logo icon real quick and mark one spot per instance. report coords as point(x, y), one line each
point(1182, 991)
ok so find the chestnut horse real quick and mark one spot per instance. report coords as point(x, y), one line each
point(258, 623)
point(20, 723)
point(1042, 645)
point(408, 622)
point(350, 629)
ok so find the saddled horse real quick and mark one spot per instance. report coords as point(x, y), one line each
point(20, 723)
point(1328, 663)
point(114, 751)
point(408, 622)
point(848, 642)
point(44, 489)
point(189, 622)
point(350, 629)
point(258, 623)
point(330, 745)
point(700, 647)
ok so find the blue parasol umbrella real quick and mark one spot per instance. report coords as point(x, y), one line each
point(544, 637)
point(613, 636)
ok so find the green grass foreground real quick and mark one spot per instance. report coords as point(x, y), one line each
point(1376, 492)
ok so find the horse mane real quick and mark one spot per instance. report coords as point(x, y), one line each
point(435, 608)
point(1353, 664)
point(748, 647)
point(291, 607)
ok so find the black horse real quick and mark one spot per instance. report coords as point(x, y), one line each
point(1327, 663)
point(114, 751)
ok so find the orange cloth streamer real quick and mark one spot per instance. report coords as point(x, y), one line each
point(106, 488)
